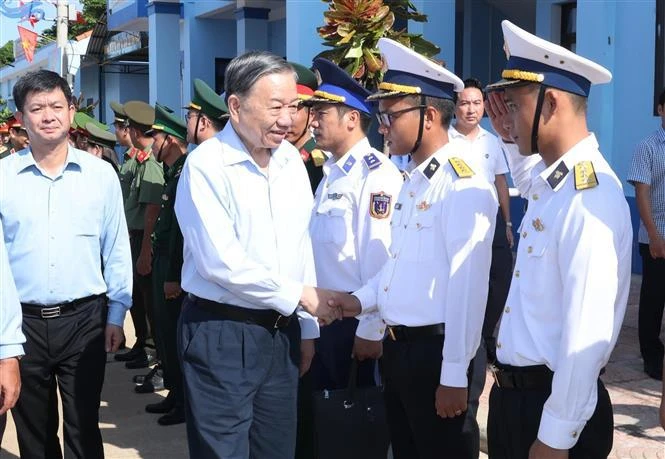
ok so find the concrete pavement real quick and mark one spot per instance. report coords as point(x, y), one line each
point(130, 432)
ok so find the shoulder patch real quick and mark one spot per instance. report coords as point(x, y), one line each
point(318, 157)
point(379, 205)
point(461, 168)
point(585, 176)
point(372, 161)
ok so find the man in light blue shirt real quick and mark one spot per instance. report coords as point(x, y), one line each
point(11, 338)
point(68, 248)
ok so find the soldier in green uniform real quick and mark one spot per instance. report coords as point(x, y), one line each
point(128, 167)
point(101, 144)
point(207, 114)
point(169, 134)
point(141, 209)
point(300, 134)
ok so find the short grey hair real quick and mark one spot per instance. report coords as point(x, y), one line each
point(245, 70)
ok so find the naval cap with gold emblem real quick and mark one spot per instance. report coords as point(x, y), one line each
point(207, 101)
point(140, 114)
point(410, 73)
point(534, 60)
point(99, 136)
point(167, 122)
point(307, 82)
point(338, 87)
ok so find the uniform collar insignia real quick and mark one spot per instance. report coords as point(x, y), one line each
point(431, 168)
point(557, 175)
point(349, 164)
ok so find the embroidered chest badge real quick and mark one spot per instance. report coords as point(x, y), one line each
point(379, 205)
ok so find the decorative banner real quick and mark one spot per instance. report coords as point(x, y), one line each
point(28, 42)
point(25, 11)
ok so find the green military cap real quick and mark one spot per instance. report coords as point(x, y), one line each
point(81, 119)
point(139, 112)
point(307, 82)
point(168, 123)
point(207, 101)
point(119, 112)
point(99, 136)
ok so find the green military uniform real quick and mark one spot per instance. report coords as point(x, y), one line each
point(311, 156)
point(208, 102)
point(102, 138)
point(129, 164)
point(4, 151)
point(145, 188)
point(166, 267)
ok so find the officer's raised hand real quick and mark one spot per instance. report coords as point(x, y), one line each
point(451, 401)
point(499, 115)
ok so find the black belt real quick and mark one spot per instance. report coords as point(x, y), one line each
point(55, 310)
point(404, 333)
point(266, 318)
point(531, 377)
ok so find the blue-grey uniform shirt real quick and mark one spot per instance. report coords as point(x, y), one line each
point(11, 336)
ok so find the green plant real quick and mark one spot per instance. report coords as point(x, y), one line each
point(353, 28)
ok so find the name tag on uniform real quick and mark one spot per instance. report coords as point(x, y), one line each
point(335, 196)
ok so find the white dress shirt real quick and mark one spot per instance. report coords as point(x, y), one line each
point(570, 286)
point(482, 153)
point(246, 238)
point(350, 227)
point(438, 270)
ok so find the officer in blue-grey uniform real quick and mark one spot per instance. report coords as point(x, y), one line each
point(432, 291)
point(350, 226)
point(571, 279)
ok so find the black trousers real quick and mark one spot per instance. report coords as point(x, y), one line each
point(71, 349)
point(165, 333)
point(652, 302)
point(141, 310)
point(411, 373)
point(514, 419)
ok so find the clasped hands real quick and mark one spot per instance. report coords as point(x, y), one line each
point(328, 305)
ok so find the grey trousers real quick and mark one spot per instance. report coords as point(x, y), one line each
point(240, 384)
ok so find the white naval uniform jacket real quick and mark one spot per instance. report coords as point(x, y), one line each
point(438, 270)
point(570, 284)
point(350, 225)
point(246, 238)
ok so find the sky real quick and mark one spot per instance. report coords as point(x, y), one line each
point(8, 30)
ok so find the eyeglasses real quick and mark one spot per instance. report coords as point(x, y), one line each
point(191, 115)
point(386, 118)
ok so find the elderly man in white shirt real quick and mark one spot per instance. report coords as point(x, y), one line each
point(243, 204)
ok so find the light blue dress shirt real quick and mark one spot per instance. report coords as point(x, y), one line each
point(11, 335)
point(66, 236)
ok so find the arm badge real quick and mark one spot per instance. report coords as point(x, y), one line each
point(379, 205)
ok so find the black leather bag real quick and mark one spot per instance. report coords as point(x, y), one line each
point(351, 423)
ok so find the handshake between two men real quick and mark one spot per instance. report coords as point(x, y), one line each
point(328, 305)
